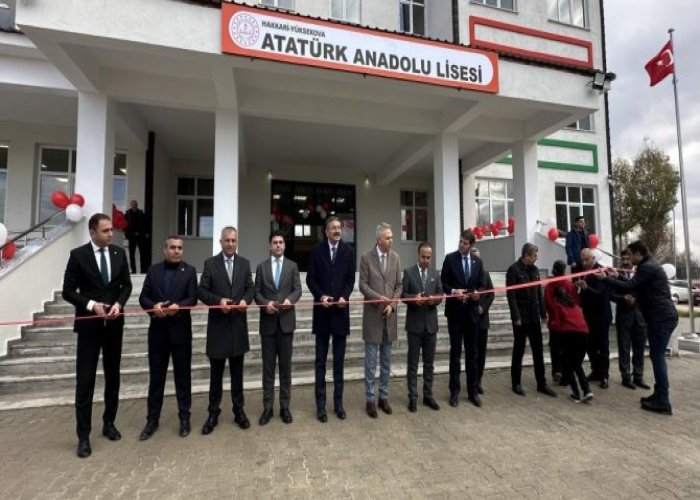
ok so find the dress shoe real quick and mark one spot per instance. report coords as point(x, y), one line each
point(384, 406)
point(321, 415)
point(454, 400)
point(657, 407)
point(185, 427)
point(592, 377)
point(639, 382)
point(340, 412)
point(604, 383)
point(587, 397)
point(574, 398)
point(266, 416)
point(84, 449)
point(431, 403)
point(412, 407)
point(518, 389)
point(241, 419)
point(148, 431)
point(209, 425)
point(628, 383)
point(475, 400)
point(111, 432)
point(547, 391)
point(286, 415)
point(479, 389)
point(371, 409)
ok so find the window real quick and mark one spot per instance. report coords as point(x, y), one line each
point(494, 201)
point(3, 179)
point(279, 4)
point(572, 201)
point(412, 16)
point(501, 4)
point(414, 215)
point(569, 11)
point(119, 182)
point(346, 10)
point(195, 206)
point(582, 124)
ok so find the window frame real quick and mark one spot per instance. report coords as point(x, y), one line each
point(412, 4)
point(592, 222)
point(196, 229)
point(414, 208)
point(275, 5)
point(577, 125)
point(498, 6)
point(345, 11)
point(569, 22)
point(508, 201)
point(3, 186)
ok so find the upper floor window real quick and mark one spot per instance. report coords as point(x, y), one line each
point(7, 15)
point(569, 11)
point(414, 215)
point(572, 201)
point(494, 200)
point(582, 124)
point(3, 179)
point(501, 4)
point(195, 206)
point(412, 16)
point(346, 10)
point(279, 4)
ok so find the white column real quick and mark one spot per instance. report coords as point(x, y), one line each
point(95, 152)
point(525, 193)
point(446, 187)
point(225, 173)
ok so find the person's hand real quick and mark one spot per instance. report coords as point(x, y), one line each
point(630, 299)
point(388, 311)
point(225, 306)
point(518, 322)
point(99, 309)
point(114, 311)
point(173, 309)
point(243, 305)
point(582, 284)
point(326, 301)
point(158, 310)
point(612, 272)
point(342, 303)
point(271, 308)
point(481, 310)
point(287, 304)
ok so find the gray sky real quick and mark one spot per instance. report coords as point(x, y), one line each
point(635, 31)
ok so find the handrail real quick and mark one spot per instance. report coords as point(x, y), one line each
point(30, 230)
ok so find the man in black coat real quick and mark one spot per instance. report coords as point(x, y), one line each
point(485, 301)
point(137, 234)
point(169, 286)
point(526, 310)
point(226, 285)
point(97, 283)
point(331, 278)
point(463, 274)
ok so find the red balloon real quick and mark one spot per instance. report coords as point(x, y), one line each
point(478, 233)
point(499, 224)
point(593, 240)
point(511, 225)
point(9, 251)
point(60, 199)
point(553, 233)
point(77, 199)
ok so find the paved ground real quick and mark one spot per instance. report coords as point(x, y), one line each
point(533, 447)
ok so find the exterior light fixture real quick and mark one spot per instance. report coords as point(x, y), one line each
point(602, 81)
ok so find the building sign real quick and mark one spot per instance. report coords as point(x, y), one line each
point(277, 36)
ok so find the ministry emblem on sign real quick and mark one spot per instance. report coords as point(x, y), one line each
point(244, 29)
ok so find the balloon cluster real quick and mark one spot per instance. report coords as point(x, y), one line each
point(9, 250)
point(118, 219)
point(73, 205)
point(494, 228)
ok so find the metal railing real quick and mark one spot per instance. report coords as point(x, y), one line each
point(39, 228)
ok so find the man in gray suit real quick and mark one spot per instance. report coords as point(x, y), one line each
point(277, 288)
point(420, 282)
point(380, 281)
point(227, 285)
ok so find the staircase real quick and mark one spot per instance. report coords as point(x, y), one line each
point(39, 369)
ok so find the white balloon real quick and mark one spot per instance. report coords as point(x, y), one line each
point(3, 234)
point(597, 254)
point(74, 213)
point(670, 270)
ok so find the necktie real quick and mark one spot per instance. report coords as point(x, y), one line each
point(383, 262)
point(278, 271)
point(465, 268)
point(422, 276)
point(104, 271)
point(333, 250)
point(229, 269)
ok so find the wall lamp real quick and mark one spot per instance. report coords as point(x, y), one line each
point(602, 81)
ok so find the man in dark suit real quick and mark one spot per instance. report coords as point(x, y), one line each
point(462, 275)
point(576, 240)
point(420, 282)
point(169, 286)
point(227, 285)
point(98, 284)
point(526, 310)
point(277, 288)
point(331, 278)
point(137, 234)
point(485, 301)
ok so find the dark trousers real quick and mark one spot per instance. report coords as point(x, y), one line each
point(417, 342)
point(598, 345)
point(573, 346)
point(482, 343)
point(339, 342)
point(216, 380)
point(533, 333)
point(277, 346)
point(108, 339)
point(160, 349)
point(631, 332)
point(463, 331)
point(659, 333)
point(140, 243)
point(556, 353)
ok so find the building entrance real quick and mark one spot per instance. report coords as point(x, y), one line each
point(300, 209)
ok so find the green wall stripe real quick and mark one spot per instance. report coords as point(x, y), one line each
point(593, 148)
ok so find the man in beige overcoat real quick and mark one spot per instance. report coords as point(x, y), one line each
point(380, 281)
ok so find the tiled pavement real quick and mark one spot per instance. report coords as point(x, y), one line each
point(512, 447)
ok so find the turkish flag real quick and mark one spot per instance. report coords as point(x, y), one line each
point(661, 65)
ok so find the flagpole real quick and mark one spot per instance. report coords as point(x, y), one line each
point(684, 205)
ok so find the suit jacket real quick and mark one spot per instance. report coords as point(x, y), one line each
point(485, 302)
point(453, 278)
point(227, 333)
point(595, 299)
point(421, 317)
point(573, 247)
point(335, 279)
point(265, 291)
point(373, 284)
point(182, 291)
point(82, 282)
point(526, 304)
